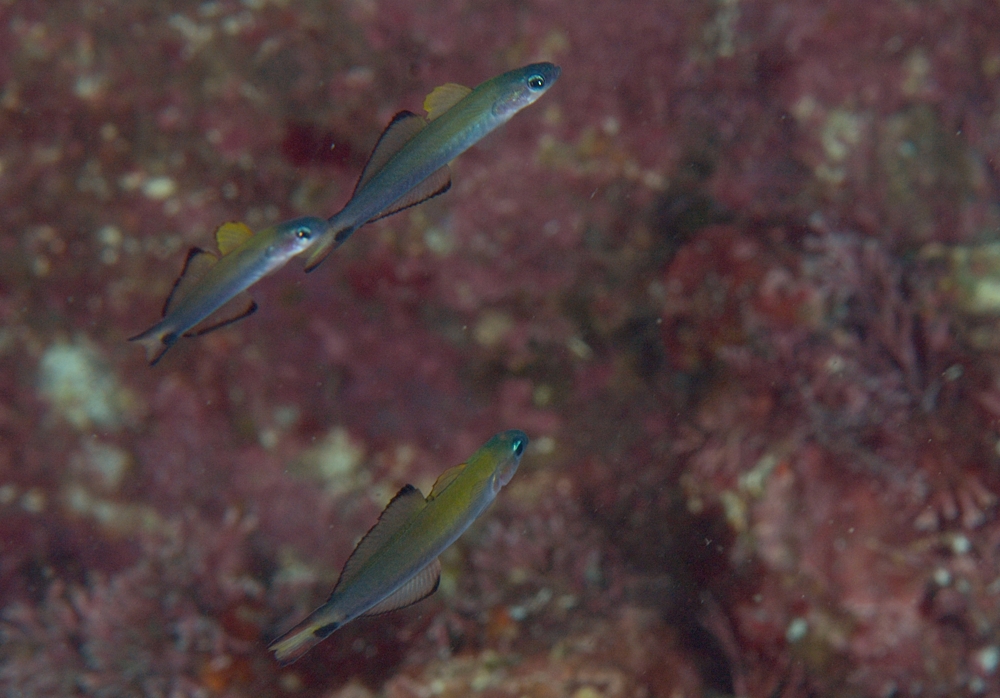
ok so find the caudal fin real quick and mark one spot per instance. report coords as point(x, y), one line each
point(323, 247)
point(331, 239)
point(302, 638)
point(156, 342)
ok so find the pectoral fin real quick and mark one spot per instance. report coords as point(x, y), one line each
point(445, 479)
point(420, 586)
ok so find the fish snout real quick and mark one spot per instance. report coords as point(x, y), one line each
point(523, 87)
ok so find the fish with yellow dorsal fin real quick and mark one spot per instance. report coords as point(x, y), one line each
point(444, 97)
point(410, 161)
point(396, 563)
point(208, 282)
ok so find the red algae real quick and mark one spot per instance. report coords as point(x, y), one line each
point(734, 276)
point(843, 481)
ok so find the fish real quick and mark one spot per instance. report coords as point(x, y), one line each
point(409, 163)
point(396, 564)
point(208, 282)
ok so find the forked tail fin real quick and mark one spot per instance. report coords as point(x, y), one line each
point(303, 637)
point(323, 247)
point(330, 241)
point(155, 341)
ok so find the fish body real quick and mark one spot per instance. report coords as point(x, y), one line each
point(209, 282)
point(396, 563)
point(410, 162)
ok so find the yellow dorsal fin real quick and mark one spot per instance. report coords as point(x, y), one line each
point(231, 235)
point(443, 98)
point(445, 479)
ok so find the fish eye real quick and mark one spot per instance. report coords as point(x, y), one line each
point(536, 82)
point(518, 446)
point(303, 233)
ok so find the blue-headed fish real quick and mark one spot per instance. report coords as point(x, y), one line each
point(208, 282)
point(396, 563)
point(410, 161)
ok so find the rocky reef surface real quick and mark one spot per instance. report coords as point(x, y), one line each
point(736, 275)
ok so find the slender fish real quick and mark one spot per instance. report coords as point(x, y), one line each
point(396, 563)
point(408, 165)
point(209, 282)
point(410, 161)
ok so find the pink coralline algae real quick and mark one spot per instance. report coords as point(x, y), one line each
point(736, 276)
point(833, 452)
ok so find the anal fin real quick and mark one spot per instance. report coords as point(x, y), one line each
point(437, 183)
point(206, 327)
point(420, 586)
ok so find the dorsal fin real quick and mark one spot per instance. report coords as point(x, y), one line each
point(443, 98)
point(445, 479)
point(231, 235)
point(196, 265)
point(403, 127)
point(437, 183)
point(419, 586)
point(396, 515)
